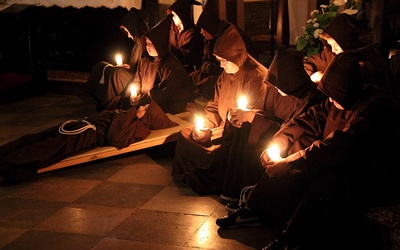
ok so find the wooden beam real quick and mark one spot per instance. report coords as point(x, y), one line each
point(222, 9)
point(240, 13)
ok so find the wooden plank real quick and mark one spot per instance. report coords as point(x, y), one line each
point(157, 137)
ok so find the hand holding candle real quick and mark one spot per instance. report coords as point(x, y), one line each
point(200, 133)
point(274, 153)
point(118, 59)
point(241, 114)
point(269, 156)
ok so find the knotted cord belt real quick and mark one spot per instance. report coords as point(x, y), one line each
point(75, 131)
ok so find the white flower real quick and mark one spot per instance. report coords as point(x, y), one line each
point(314, 12)
point(316, 25)
point(309, 21)
point(317, 32)
point(323, 6)
point(339, 2)
point(315, 20)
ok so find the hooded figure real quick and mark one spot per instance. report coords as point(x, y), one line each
point(289, 76)
point(202, 163)
point(286, 73)
point(211, 25)
point(206, 76)
point(137, 26)
point(325, 189)
point(186, 41)
point(162, 78)
point(107, 83)
point(345, 30)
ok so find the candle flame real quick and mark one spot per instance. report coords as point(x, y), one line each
point(118, 58)
point(242, 103)
point(274, 153)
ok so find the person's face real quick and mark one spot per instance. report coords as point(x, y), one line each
point(334, 45)
point(150, 48)
point(228, 66)
point(337, 105)
point(206, 35)
point(127, 33)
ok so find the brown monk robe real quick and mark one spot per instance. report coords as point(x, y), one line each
point(20, 159)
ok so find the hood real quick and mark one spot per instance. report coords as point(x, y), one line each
point(287, 72)
point(183, 8)
point(230, 46)
point(342, 80)
point(345, 29)
point(135, 23)
point(159, 36)
point(209, 19)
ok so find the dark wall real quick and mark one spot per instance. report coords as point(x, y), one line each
point(75, 39)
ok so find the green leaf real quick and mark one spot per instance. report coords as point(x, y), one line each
point(301, 43)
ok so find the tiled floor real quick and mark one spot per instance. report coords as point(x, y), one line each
point(126, 202)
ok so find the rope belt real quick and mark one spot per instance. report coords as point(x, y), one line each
point(76, 131)
point(102, 76)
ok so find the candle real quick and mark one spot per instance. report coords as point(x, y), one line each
point(274, 153)
point(199, 123)
point(242, 103)
point(133, 92)
point(118, 58)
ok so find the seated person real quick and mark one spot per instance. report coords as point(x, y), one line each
point(343, 33)
point(195, 159)
point(107, 81)
point(211, 25)
point(160, 76)
point(186, 42)
point(291, 94)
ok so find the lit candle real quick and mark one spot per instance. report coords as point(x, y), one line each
point(199, 123)
point(242, 103)
point(118, 58)
point(133, 92)
point(274, 153)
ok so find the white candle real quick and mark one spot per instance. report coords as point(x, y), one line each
point(242, 103)
point(274, 153)
point(133, 92)
point(199, 123)
point(118, 58)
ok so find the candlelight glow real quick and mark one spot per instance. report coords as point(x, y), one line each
point(242, 103)
point(274, 153)
point(118, 59)
point(199, 122)
point(133, 91)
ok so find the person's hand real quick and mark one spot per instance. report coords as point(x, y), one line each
point(126, 66)
point(279, 168)
point(265, 160)
point(141, 111)
point(134, 101)
point(201, 135)
point(317, 76)
point(274, 168)
point(238, 116)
